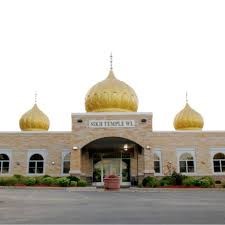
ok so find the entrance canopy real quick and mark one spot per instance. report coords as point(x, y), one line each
point(112, 144)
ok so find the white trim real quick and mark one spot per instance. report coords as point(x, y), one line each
point(63, 154)
point(213, 152)
point(8, 152)
point(191, 151)
point(43, 153)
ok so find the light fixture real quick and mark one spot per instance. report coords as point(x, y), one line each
point(75, 148)
point(125, 147)
point(148, 147)
point(53, 163)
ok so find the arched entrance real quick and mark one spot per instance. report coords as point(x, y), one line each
point(113, 155)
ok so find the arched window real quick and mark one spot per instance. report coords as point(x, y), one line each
point(219, 163)
point(4, 164)
point(36, 164)
point(157, 166)
point(186, 163)
point(66, 163)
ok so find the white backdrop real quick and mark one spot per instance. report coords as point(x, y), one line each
point(160, 48)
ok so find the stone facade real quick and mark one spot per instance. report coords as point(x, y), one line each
point(201, 144)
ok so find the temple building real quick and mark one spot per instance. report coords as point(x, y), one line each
point(112, 137)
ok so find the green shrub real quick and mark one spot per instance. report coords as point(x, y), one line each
point(3, 181)
point(46, 175)
point(177, 178)
point(8, 181)
point(18, 177)
point(150, 182)
point(73, 183)
point(82, 183)
point(29, 181)
point(63, 181)
point(72, 178)
point(166, 181)
point(210, 179)
point(11, 181)
point(189, 181)
point(39, 179)
point(48, 180)
point(205, 183)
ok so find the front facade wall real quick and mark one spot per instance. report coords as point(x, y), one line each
point(19, 146)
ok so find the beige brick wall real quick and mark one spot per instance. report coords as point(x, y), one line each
point(19, 143)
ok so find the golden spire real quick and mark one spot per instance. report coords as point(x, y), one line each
point(34, 119)
point(188, 119)
point(111, 95)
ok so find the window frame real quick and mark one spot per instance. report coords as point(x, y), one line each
point(215, 151)
point(9, 154)
point(180, 152)
point(158, 153)
point(32, 152)
point(64, 153)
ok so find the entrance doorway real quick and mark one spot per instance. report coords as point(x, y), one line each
point(104, 166)
point(112, 156)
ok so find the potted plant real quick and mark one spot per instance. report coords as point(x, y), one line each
point(112, 182)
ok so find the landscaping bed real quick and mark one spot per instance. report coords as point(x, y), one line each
point(177, 180)
point(42, 181)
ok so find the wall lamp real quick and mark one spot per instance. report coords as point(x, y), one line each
point(148, 147)
point(75, 148)
point(53, 163)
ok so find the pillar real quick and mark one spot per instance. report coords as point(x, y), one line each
point(75, 162)
point(148, 162)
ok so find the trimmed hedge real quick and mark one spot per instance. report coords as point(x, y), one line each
point(150, 182)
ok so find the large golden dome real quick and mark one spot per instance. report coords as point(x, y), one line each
point(188, 119)
point(34, 120)
point(111, 95)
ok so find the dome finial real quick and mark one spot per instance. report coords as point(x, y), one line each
point(186, 97)
point(35, 97)
point(111, 61)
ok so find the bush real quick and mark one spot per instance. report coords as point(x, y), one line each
point(63, 181)
point(8, 181)
point(205, 183)
point(166, 181)
point(29, 181)
point(48, 181)
point(18, 177)
point(82, 183)
point(189, 181)
point(177, 178)
point(73, 183)
point(150, 182)
point(71, 178)
point(2, 182)
point(210, 179)
point(39, 179)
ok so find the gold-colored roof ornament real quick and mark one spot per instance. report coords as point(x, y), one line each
point(34, 119)
point(188, 119)
point(111, 95)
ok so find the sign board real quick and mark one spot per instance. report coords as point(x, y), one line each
point(111, 123)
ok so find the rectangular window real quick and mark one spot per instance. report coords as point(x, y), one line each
point(216, 164)
point(183, 167)
point(157, 166)
point(191, 168)
point(66, 166)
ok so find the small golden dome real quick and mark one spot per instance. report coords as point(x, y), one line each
point(34, 120)
point(111, 95)
point(188, 119)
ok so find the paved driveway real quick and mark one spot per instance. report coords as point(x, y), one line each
point(60, 206)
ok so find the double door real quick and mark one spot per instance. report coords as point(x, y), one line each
point(111, 166)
